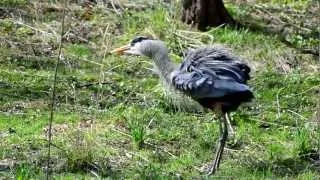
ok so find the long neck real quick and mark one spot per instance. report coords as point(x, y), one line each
point(159, 53)
point(164, 65)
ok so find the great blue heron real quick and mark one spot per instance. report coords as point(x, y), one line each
point(210, 75)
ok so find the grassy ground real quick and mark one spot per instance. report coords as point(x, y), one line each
point(126, 127)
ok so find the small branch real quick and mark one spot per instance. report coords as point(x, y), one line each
point(278, 105)
point(52, 107)
point(303, 92)
point(114, 7)
point(150, 122)
point(310, 51)
point(275, 124)
point(123, 133)
point(301, 50)
point(53, 145)
point(302, 117)
point(82, 59)
point(33, 28)
point(163, 149)
point(91, 84)
point(138, 155)
point(129, 6)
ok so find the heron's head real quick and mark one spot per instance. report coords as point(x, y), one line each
point(143, 46)
point(137, 46)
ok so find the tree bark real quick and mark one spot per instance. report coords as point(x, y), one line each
point(205, 13)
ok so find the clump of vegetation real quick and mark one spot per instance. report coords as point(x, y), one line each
point(13, 3)
point(136, 128)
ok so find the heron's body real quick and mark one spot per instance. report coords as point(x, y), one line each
point(211, 76)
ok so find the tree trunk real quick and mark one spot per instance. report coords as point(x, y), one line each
point(205, 13)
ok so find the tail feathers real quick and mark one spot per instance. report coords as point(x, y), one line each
point(228, 93)
point(225, 88)
point(231, 102)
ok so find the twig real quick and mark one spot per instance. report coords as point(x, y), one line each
point(163, 149)
point(33, 28)
point(303, 92)
point(114, 7)
point(275, 124)
point(278, 104)
point(232, 150)
point(79, 37)
point(297, 114)
point(101, 74)
point(123, 133)
point(53, 145)
point(317, 119)
point(150, 122)
point(301, 50)
point(82, 59)
point(91, 84)
point(119, 4)
point(202, 33)
point(188, 38)
point(52, 108)
point(94, 173)
point(138, 155)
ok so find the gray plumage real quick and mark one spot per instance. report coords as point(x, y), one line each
point(208, 75)
point(212, 76)
point(213, 73)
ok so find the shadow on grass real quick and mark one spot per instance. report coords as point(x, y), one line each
point(289, 166)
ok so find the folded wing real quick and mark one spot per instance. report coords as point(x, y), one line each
point(212, 75)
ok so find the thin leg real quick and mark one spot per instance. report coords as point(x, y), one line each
point(230, 129)
point(220, 146)
point(220, 128)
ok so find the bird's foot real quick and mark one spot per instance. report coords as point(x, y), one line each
point(212, 170)
point(208, 168)
point(204, 167)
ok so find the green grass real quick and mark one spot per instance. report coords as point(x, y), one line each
point(126, 128)
point(13, 3)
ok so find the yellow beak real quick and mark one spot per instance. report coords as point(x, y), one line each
point(120, 50)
